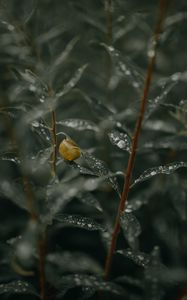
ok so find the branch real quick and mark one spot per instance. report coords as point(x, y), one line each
point(128, 172)
point(109, 20)
point(54, 137)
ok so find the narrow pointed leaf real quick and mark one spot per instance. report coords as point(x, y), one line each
point(89, 199)
point(153, 104)
point(167, 169)
point(17, 287)
point(139, 258)
point(79, 124)
point(78, 221)
point(72, 82)
point(125, 68)
point(97, 283)
point(64, 55)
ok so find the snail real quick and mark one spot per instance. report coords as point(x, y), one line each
point(69, 150)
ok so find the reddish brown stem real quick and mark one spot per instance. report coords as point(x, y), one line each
point(128, 172)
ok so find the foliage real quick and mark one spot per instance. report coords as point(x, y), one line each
point(75, 70)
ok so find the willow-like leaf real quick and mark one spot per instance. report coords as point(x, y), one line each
point(97, 283)
point(125, 68)
point(139, 258)
point(72, 82)
point(17, 287)
point(79, 124)
point(89, 199)
point(167, 169)
point(78, 221)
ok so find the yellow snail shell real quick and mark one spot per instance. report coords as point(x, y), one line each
point(69, 150)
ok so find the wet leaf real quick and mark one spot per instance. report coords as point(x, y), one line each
point(96, 165)
point(35, 84)
point(99, 168)
point(14, 159)
point(42, 130)
point(173, 142)
point(153, 104)
point(106, 237)
point(65, 53)
point(125, 68)
point(153, 273)
point(58, 195)
point(120, 139)
point(73, 262)
point(86, 292)
point(13, 192)
point(40, 110)
point(72, 82)
point(41, 159)
point(167, 169)
point(139, 258)
point(100, 109)
point(96, 283)
point(131, 229)
point(78, 221)
point(89, 199)
point(17, 287)
point(81, 169)
point(79, 124)
point(24, 247)
point(52, 33)
point(159, 125)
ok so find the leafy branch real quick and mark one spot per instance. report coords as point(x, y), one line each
point(128, 172)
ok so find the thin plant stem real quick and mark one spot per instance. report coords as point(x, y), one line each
point(54, 139)
point(109, 20)
point(32, 211)
point(109, 41)
point(42, 256)
point(30, 198)
point(25, 180)
point(128, 172)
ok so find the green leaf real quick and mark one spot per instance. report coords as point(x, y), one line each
point(140, 258)
point(94, 282)
point(78, 221)
point(120, 139)
point(72, 82)
point(17, 287)
point(131, 228)
point(167, 169)
point(79, 124)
